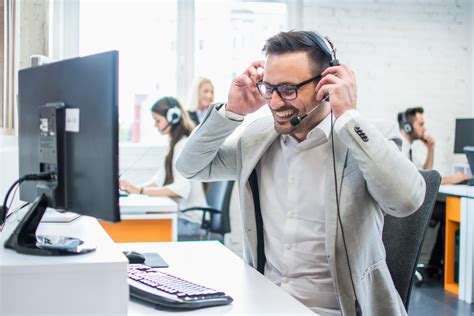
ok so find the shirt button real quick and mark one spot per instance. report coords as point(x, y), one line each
point(288, 246)
point(284, 280)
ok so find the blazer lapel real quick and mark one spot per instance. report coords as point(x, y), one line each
point(254, 147)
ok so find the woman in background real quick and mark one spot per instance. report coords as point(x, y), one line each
point(171, 120)
point(201, 97)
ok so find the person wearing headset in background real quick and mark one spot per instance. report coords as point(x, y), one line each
point(285, 171)
point(171, 120)
point(412, 126)
point(201, 97)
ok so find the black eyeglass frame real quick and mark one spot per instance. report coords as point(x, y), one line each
point(294, 87)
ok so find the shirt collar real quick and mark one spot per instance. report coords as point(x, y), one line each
point(316, 137)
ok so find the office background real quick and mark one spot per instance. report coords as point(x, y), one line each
point(405, 53)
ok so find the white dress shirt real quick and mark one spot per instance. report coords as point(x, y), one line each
point(291, 185)
point(191, 192)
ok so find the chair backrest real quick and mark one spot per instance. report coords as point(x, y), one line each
point(218, 197)
point(403, 238)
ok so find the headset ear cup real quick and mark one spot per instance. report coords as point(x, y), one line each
point(173, 115)
point(407, 127)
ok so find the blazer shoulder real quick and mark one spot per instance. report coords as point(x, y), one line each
point(259, 126)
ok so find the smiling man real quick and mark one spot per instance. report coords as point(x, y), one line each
point(288, 167)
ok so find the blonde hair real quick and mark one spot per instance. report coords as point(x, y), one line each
point(193, 103)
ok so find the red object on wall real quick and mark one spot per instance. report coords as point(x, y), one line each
point(135, 129)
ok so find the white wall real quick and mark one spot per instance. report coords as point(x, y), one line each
point(405, 53)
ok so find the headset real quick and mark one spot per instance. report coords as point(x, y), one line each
point(405, 123)
point(327, 47)
point(173, 115)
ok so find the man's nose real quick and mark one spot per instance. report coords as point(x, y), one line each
point(276, 101)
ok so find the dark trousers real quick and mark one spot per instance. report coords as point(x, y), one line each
point(439, 216)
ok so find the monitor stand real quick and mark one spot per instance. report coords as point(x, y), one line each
point(24, 239)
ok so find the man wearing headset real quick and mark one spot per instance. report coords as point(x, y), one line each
point(287, 177)
point(412, 126)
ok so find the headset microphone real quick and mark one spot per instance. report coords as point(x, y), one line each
point(164, 128)
point(296, 120)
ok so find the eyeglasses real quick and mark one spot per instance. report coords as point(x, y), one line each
point(285, 91)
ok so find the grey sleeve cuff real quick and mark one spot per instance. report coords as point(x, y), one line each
point(344, 118)
point(228, 114)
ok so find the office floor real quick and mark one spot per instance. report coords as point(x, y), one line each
point(431, 299)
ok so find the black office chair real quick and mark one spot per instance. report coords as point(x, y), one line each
point(403, 238)
point(215, 216)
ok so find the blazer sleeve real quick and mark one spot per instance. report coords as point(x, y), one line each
point(208, 155)
point(392, 180)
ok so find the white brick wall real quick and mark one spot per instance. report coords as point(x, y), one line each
point(405, 54)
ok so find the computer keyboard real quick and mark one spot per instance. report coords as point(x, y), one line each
point(168, 291)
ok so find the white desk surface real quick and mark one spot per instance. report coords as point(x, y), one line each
point(140, 204)
point(211, 264)
point(59, 285)
point(84, 227)
point(457, 190)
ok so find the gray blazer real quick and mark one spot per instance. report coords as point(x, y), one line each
point(373, 176)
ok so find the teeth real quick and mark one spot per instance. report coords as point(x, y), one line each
point(285, 113)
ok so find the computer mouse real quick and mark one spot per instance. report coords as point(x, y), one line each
point(134, 257)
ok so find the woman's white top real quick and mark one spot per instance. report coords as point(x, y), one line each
point(191, 192)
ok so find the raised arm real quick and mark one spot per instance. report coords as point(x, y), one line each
point(207, 155)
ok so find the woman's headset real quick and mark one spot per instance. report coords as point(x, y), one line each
point(173, 115)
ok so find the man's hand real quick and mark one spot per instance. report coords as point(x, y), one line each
point(244, 97)
point(128, 187)
point(428, 140)
point(458, 177)
point(339, 82)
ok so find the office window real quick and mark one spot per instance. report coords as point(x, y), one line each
point(230, 35)
point(8, 65)
point(144, 33)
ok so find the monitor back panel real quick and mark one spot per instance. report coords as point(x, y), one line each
point(89, 84)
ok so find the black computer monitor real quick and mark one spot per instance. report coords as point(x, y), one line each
point(464, 134)
point(68, 126)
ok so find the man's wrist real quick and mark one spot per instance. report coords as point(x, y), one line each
point(229, 108)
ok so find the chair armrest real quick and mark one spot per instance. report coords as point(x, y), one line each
point(205, 222)
point(203, 209)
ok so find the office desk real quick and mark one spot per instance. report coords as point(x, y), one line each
point(459, 214)
point(89, 284)
point(211, 264)
point(145, 219)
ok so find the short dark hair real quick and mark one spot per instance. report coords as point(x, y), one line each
point(298, 41)
point(409, 114)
